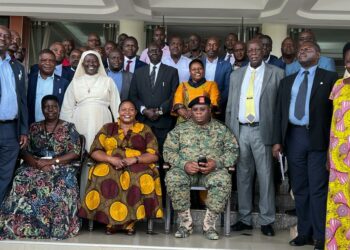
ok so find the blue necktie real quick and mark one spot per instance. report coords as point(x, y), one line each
point(299, 110)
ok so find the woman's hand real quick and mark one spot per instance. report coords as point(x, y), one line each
point(184, 113)
point(116, 162)
point(41, 163)
point(129, 161)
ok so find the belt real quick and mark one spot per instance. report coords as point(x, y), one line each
point(299, 126)
point(7, 121)
point(253, 124)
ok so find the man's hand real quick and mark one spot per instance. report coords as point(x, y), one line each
point(276, 149)
point(151, 114)
point(191, 167)
point(23, 139)
point(206, 168)
point(184, 113)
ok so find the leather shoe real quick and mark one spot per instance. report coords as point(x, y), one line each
point(267, 230)
point(240, 226)
point(301, 240)
point(319, 245)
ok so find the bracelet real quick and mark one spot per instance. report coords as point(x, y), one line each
point(137, 160)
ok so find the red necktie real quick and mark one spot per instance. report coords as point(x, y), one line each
point(127, 69)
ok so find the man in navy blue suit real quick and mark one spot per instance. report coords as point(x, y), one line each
point(218, 70)
point(268, 57)
point(130, 48)
point(43, 83)
point(13, 111)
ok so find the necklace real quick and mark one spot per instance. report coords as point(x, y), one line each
point(48, 147)
point(54, 128)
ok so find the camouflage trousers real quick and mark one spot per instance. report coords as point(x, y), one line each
point(218, 184)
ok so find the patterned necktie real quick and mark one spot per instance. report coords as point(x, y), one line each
point(299, 110)
point(153, 76)
point(127, 69)
point(249, 103)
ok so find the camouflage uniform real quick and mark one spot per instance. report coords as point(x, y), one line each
point(186, 143)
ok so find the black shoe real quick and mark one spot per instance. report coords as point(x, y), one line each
point(291, 212)
point(240, 226)
point(319, 245)
point(301, 240)
point(267, 230)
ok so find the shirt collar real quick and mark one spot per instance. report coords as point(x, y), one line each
point(214, 61)
point(39, 76)
point(7, 57)
point(268, 59)
point(128, 59)
point(311, 70)
point(258, 69)
point(157, 65)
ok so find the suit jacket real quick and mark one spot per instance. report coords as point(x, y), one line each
point(59, 88)
point(69, 73)
point(66, 74)
point(20, 80)
point(222, 78)
point(139, 63)
point(276, 62)
point(159, 96)
point(267, 102)
point(124, 93)
point(320, 110)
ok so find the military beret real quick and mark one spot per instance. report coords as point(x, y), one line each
point(200, 100)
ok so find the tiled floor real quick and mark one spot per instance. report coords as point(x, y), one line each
point(97, 240)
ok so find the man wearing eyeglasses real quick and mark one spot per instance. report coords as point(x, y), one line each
point(249, 114)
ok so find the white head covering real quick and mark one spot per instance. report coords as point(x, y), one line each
point(80, 69)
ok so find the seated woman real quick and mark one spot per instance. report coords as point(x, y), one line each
point(43, 201)
point(124, 185)
point(196, 86)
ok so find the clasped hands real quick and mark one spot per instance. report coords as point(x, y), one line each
point(119, 163)
point(151, 114)
point(193, 167)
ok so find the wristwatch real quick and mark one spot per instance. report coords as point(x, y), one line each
point(57, 161)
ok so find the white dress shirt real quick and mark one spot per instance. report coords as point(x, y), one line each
point(132, 64)
point(232, 58)
point(181, 66)
point(259, 76)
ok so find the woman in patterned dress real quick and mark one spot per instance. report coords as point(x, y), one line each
point(43, 201)
point(338, 204)
point(124, 184)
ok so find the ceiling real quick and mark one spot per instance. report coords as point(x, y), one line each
point(294, 12)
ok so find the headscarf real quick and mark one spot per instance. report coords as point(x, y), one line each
point(80, 69)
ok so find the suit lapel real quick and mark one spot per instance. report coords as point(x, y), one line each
point(160, 76)
point(218, 69)
point(56, 88)
point(266, 79)
point(317, 82)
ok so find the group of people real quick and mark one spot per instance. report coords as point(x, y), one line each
point(197, 111)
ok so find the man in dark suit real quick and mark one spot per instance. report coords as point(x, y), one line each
point(218, 70)
point(13, 111)
point(302, 127)
point(268, 57)
point(58, 49)
point(120, 77)
point(249, 114)
point(45, 82)
point(74, 59)
point(130, 48)
point(152, 90)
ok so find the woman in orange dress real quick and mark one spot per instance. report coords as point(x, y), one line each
point(124, 185)
point(196, 86)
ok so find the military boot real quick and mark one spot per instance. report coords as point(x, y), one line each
point(209, 230)
point(186, 226)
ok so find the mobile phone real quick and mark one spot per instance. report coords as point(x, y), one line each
point(202, 159)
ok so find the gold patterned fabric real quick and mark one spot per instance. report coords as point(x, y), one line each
point(121, 197)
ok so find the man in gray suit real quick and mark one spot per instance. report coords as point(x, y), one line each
point(120, 77)
point(250, 113)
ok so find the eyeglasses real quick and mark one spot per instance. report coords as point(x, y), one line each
point(5, 35)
